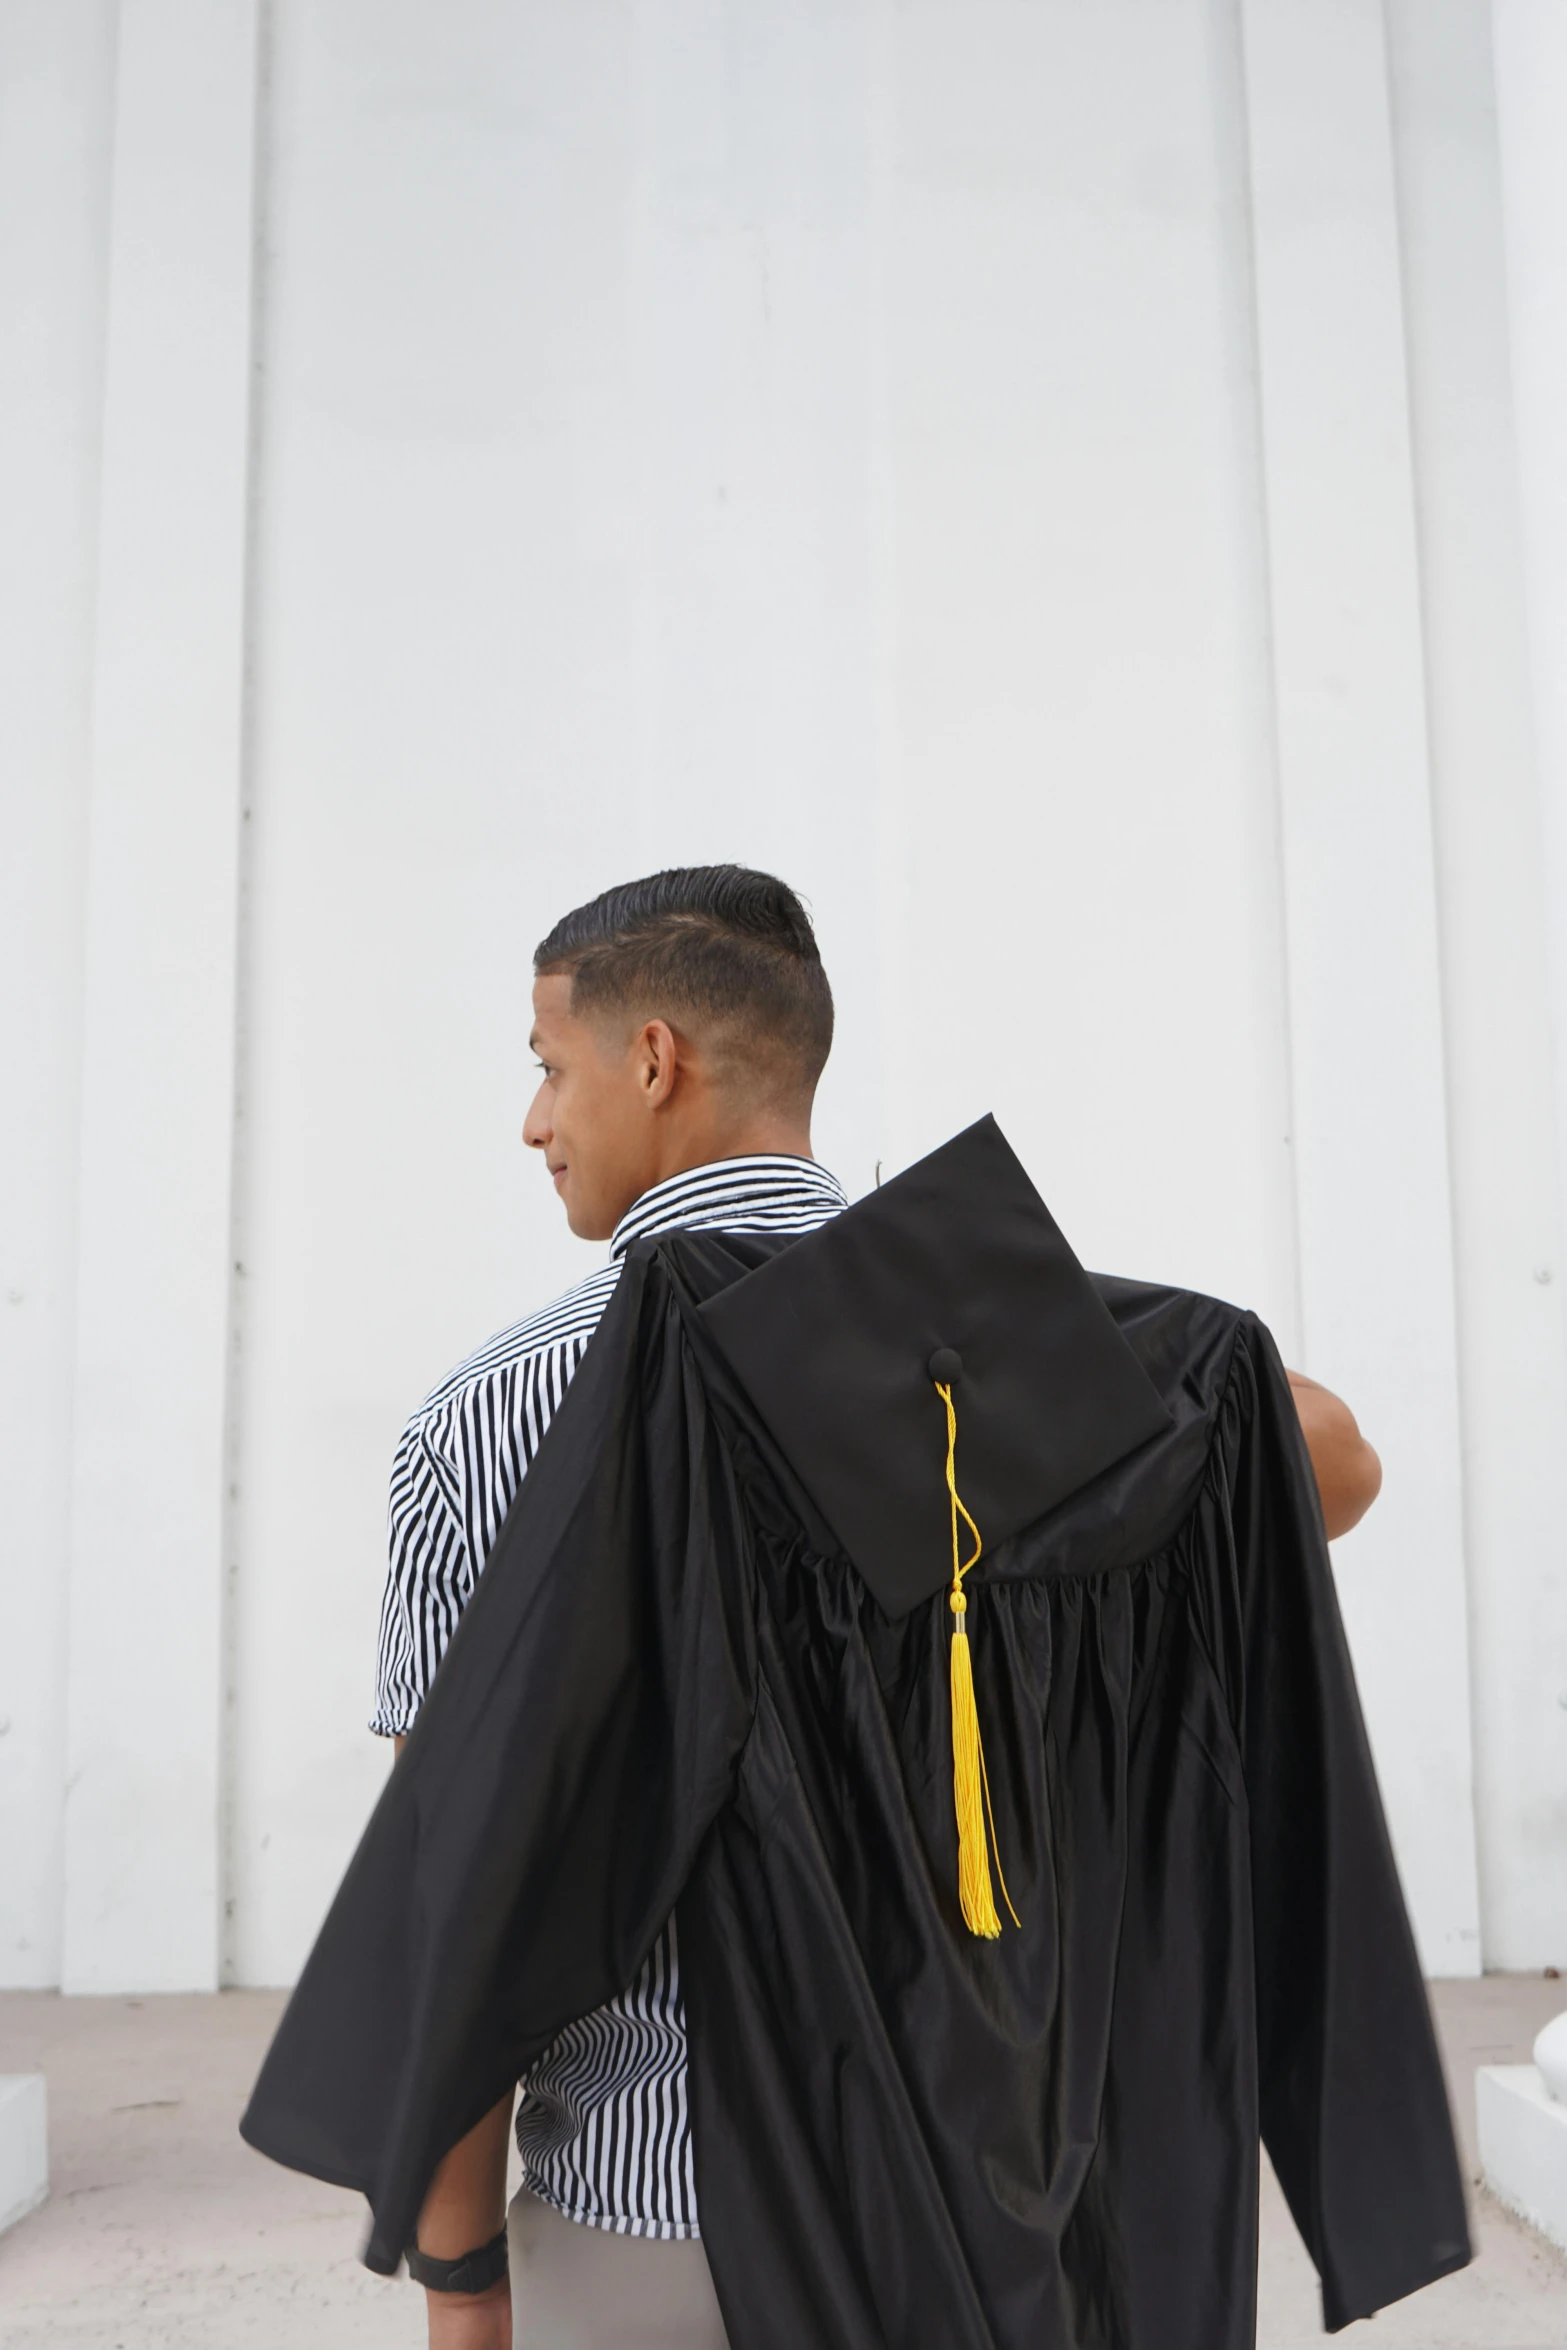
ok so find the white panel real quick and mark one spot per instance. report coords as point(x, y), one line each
point(1521, 1612)
point(563, 577)
point(1513, 1358)
point(1531, 92)
point(56, 79)
point(1076, 730)
point(748, 427)
point(24, 2145)
point(142, 1879)
point(1365, 998)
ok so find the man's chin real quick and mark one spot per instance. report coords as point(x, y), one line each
point(585, 1223)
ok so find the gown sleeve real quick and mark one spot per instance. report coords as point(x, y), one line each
point(1353, 2106)
point(532, 1840)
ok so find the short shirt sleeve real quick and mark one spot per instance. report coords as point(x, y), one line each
point(458, 1466)
point(429, 1577)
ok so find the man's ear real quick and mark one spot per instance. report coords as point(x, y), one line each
point(658, 1054)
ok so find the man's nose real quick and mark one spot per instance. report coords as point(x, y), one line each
point(536, 1127)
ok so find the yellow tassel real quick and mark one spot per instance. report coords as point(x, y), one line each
point(968, 1788)
point(970, 1783)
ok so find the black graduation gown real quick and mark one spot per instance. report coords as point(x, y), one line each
point(671, 1691)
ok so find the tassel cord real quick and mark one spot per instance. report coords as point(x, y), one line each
point(970, 1779)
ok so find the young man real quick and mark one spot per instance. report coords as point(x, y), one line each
point(681, 1024)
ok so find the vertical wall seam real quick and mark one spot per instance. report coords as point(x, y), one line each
point(1257, 457)
point(244, 977)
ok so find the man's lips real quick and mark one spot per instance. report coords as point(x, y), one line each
point(557, 1174)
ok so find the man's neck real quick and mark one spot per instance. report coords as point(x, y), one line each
point(758, 1138)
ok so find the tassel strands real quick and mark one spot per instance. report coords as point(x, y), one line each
point(974, 1893)
point(970, 1784)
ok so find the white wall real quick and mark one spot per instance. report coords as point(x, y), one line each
point(1523, 1757)
point(56, 87)
point(1366, 1028)
point(143, 1888)
point(1029, 473)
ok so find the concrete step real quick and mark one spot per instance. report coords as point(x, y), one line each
point(1523, 2146)
point(24, 2145)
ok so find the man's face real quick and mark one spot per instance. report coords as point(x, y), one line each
point(590, 1116)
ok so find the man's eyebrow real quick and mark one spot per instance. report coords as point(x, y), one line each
point(533, 1040)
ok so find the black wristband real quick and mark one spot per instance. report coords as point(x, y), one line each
point(476, 2272)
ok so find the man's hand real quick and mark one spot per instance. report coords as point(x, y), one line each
point(466, 2207)
point(1348, 1472)
point(471, 2321)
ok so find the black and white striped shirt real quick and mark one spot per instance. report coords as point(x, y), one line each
point(602, 2126)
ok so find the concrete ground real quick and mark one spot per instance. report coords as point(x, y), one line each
point(163, 2231)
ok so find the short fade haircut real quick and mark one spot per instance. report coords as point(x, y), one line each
point(715, 947)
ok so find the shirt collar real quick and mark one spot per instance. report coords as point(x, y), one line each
point(768, 1192)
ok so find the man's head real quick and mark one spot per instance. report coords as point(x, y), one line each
point(679, 1019)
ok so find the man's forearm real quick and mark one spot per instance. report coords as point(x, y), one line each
point(466, 2207)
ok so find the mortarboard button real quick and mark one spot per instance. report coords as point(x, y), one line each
point(945, 1365)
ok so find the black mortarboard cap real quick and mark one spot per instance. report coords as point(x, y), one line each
point(954, 1273)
